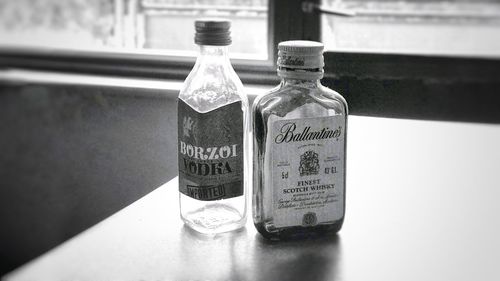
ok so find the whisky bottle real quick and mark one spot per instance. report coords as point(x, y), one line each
point(299, 149)
point(213, 124)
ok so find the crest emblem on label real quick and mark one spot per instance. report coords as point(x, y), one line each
point(309, 163)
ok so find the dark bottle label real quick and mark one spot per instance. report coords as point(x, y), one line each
point(210, 151)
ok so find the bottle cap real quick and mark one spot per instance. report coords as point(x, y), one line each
point(300, 54)
point(212, 31)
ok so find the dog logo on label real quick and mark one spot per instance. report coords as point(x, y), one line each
point(309, 163)
point(187, 126)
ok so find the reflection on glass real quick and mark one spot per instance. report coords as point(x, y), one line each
point(221, 257)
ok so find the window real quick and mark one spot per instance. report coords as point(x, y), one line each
point(249, 28)
point(432, 27)
point(73, 24)
point(146, 26)
point(399, 58)
point(414, 59)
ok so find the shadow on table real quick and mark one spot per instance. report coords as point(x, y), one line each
point(244, 255)
point(315, 259)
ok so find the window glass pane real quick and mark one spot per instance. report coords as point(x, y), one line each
point(249, 28)
point(451, 27)
point(138, 25)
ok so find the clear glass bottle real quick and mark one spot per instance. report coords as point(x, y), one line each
point(299, 149)
point(213, 127)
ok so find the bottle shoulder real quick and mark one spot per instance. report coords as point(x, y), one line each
point(334, 95)
point(208, 88)
point(309, 101)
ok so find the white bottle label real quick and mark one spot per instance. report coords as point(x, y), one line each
point(308, 170)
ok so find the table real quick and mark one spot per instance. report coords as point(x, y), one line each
point(422, 204)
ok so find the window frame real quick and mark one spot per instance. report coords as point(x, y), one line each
point(126, 64)
point(373, 84)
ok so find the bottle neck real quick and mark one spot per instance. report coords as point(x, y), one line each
point(310, 83)
point(213, 54)
point(306, 74)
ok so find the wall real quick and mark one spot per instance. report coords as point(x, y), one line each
point(75, 150)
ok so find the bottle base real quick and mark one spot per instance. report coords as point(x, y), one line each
point(297, 232)
point(214, 218)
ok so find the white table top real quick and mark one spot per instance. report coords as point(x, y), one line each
point(422, 204)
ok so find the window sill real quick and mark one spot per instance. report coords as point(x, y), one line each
point(124, 64)
point(167, 87)
point(386, 85)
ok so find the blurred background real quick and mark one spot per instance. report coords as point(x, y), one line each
point(453, 27)
point(88, 89)
point(165, 25)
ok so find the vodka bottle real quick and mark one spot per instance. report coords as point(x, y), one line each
point(299, 149)
point(213, 125)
